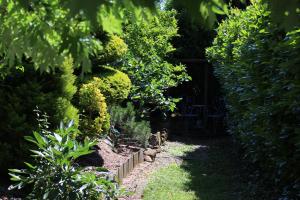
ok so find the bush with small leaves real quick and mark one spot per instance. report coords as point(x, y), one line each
point(95, 119)
point(256, 63)
point(115, 49)
point(113, 84)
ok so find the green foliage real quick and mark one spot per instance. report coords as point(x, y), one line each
point(64, 110)
point(256, 62)
point(24, 89)
point(115, 49)
point(55, 174)
point(94, 110)
point(113, 84)
point(146, 63)
point(46, 31)
point(125, 119)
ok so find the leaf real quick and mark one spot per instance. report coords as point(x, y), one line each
point(14, 177)
point(58, 137)
point(38, 153)
point(217, 10)
point(39, 139)
point(70, 124)
point(30, 165)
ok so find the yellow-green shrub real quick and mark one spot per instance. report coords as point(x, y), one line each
point(95, 118)
point(113, 84)
point(115, 48)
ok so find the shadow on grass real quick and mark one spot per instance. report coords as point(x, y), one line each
point(214, 170)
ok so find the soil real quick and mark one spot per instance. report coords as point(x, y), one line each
point(114, 158)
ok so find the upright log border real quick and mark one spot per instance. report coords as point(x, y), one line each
point(135, 159)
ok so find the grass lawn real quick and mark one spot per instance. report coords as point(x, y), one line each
point(169, 183)
point(205, 174)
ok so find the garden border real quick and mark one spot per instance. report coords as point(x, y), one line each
point(134, 160)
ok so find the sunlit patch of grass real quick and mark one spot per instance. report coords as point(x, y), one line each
point(180, 149)
point(169, 183)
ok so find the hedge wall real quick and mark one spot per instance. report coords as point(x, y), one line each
point(257, 64)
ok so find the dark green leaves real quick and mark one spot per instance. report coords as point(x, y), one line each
point(257, 64)
point(55, 175)
point(285, 13)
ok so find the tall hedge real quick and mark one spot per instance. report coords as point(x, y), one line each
point(257, 64)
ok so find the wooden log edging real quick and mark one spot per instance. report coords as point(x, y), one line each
point(135, 159)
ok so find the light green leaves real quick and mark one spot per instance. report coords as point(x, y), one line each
point(46, 31)
point(146, 64)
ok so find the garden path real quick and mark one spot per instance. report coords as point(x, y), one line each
point(210, 166)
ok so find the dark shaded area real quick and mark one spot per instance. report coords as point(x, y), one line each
point(215, 170)
point(93, 159)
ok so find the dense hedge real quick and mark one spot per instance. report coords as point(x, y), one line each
point(258, 66)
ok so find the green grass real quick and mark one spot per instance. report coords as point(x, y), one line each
point(180, 149)
point(212, 176)
point(169, 183)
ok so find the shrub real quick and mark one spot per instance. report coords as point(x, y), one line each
point(64, 110)
point(255, 62)
point(24, 89)
point(55, 174)
point(94, 110)
point(113, 84)
point(125, 119)
point(115, 49)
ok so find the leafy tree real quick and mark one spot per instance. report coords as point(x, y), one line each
point(146, 62)
point(46, 31)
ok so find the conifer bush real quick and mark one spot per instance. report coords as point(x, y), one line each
point(114, 49)
point(64, 110)
point(113, 84)
point(95, 120)
point(21, 91)
point(124, 120)
point(257, 65)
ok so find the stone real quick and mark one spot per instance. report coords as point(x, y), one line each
point(148, 159)
point(164, 136)
point(155, 139)
point(158, 150)
point(150, 152)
